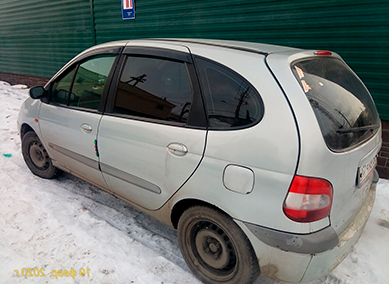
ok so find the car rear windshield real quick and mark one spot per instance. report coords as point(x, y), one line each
point(343, 106)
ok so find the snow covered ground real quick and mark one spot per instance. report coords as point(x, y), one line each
point(67, 224)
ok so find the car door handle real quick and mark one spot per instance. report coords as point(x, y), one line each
point(177, 149)
point(86, 128)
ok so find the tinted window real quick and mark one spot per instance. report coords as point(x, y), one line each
point(154, 88)
point(86, 89)
point(231, 101)
point(343, 107)
point(61, 88)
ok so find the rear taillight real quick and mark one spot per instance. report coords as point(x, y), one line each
point(308, 200)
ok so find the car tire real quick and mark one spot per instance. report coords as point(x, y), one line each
point(37, 158)
point(215, 248)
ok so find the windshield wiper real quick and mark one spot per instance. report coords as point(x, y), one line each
point(358, 129)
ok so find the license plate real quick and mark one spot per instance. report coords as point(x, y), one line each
point(365, 171)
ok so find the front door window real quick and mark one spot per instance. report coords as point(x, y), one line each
point(84, 84)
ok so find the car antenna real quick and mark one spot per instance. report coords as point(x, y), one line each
point(168, 24)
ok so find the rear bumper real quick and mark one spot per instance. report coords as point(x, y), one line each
point(313, 243)
point(302, 258)
point(324, 263)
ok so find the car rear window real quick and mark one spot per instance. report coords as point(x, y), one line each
point(343, 106)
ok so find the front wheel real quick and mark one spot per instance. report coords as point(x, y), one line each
point(215, 248)
point(37, 158)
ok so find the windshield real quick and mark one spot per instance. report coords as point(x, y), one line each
point(343, 106)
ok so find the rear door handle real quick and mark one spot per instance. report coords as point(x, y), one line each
point(86, 128)
point(177, 149)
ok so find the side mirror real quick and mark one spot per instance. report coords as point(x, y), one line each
point(37, 92)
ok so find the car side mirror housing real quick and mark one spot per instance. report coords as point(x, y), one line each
point(38, 92)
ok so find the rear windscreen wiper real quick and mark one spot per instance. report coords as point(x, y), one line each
point(357, 129)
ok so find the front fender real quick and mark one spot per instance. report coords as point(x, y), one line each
point(29, 115)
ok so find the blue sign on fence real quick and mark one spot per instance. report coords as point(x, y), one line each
point(128, 10)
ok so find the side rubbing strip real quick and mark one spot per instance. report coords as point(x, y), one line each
point(130, 178)
point(82, 159)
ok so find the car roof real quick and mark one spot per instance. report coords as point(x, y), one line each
point(239, 45)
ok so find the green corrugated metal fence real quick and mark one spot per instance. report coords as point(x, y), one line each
point(37, 37)
point(358, 30)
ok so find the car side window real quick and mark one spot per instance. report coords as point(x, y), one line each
point(61, 88)
point(231, 101)
point(83, 86)
point(154, 88)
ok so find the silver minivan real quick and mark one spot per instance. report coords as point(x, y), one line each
point(262, 157)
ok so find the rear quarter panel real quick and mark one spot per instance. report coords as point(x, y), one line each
point(270, 149)
point(316, 159)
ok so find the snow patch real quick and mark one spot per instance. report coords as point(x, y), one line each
point(69, 224)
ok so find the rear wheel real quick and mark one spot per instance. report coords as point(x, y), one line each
point(37, 158)
point(215, 248)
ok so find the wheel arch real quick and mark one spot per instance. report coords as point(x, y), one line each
point(25, 128)
point(184, 204)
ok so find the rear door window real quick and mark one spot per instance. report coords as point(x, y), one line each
point(154, 88)
point(342, 105)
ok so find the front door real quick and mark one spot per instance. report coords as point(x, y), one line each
point(154, 138)
point(69, 123)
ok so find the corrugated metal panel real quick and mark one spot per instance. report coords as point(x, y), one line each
point(37, 37)
point(357, 30)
